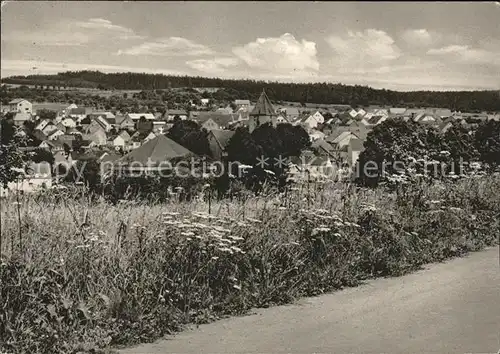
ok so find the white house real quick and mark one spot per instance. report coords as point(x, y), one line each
point(69, 123)
point(136, 116)
point(36, 176)
point(55, 134)
point(20, 105)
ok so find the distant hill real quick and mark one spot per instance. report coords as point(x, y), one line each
point(250, 89)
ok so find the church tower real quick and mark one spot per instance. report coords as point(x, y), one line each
point(262, 113)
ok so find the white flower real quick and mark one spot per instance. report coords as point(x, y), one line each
point(317, 230)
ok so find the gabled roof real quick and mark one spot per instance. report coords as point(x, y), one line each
point(221, 119)
point(137, 116)
point(263, 107)
point(356, 144)
point(157, 150)
point(17, 100)
point(104, 114)
point(222, 137)
point(77, 111)
point(241, 102)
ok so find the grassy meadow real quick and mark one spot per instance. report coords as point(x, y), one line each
point(81, 275)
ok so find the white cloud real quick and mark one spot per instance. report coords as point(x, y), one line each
point(215, 66)
point(173, 46)
point(465, 53)
point(420, 37)
point(72, 33)
point(25, 67)
point(107, 26)
point(283, 54)
point(369, 46)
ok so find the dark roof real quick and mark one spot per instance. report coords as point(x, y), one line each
point(17, 100)
point(220, 119)
point(156, 150)
point(79, 110)
point(356, 144)
point(222, 137)
point(263, 107)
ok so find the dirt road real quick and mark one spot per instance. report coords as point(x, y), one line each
point(452, 307)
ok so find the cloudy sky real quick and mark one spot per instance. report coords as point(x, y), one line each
point(403, 46)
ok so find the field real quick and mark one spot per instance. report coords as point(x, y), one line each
point(82, 275)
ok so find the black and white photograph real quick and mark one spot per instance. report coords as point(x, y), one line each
point(249, 177)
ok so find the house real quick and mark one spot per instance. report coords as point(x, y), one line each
point(353, 113)
point(205, 101)
point(342, 139)
point(21, 117)
point(121, 139)
point(315, 135)
point(218, 141)
point(104, 123)
point(141, 137)
point(78, 113)
point(42, 124)
point(354, 149)
point(137, 116)
point(124, 122)
point(322, 148)
point(156, 154)
point(36, 176)
point(55, 134)
point(96, 137)
point(215, 120)
point(20, 105)
point(396, 111)
point(441, 112)
point(159, 126)
point(94, 126)
point(69, 123)
point(281, 119)
point(172, 113)
point(428, 118)
point(242, 102)
point(51, 145)
point(290, 113)
point(361, 113)
point(309, 167)
point(106, 115)
point(262, 113)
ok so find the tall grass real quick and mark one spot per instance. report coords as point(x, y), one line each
point(89, 275)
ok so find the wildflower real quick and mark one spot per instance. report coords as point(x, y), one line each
point(220, 229)
point(237, 249)
point(435, 201)
point(171, 213)
point(317, 230)
point(235, 238)
point(254, 220)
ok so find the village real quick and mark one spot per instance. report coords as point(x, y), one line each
point(337, 132)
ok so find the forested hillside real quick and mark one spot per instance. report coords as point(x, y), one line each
point(307, 92)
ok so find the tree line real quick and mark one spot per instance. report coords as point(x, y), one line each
point(323, 93)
